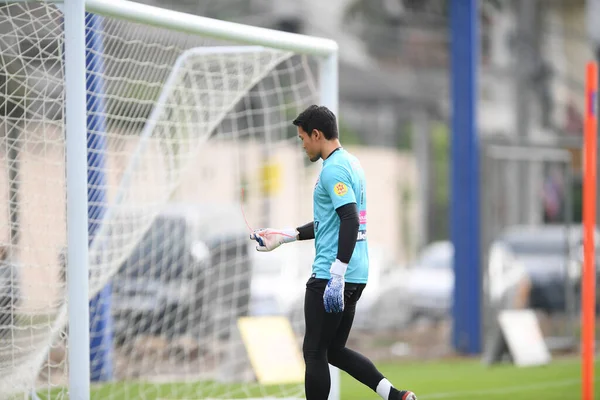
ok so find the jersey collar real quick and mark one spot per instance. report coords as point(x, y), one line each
point(330, 154)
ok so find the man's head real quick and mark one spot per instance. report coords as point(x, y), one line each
point(317, 128)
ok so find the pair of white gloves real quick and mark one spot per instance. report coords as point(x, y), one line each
point(333, 298)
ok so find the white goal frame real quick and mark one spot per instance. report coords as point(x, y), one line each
point(76, 143)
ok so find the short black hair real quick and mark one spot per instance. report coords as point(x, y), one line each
point(320, 118)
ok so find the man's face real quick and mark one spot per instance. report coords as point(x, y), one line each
point(311, 144)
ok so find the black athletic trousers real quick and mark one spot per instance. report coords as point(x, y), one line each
point(325, 341)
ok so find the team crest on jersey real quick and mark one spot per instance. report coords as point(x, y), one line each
point(340, 189)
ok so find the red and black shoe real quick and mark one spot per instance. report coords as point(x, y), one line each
point(407, 395)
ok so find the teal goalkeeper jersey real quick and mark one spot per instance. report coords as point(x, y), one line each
point(341, 182)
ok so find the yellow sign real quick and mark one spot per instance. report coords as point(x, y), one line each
point(340, 189)
point(272, 349)
point(270, 174)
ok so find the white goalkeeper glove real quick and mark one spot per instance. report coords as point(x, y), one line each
point(269, 239)
point(333, 298)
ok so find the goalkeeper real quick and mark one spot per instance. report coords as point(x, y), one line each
point(341, 265)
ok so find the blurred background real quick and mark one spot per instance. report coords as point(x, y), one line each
point(395, 115)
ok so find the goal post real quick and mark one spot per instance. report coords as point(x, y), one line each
point(182, 114)
point(77, 199)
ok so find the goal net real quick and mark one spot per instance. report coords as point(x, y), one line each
point(188, 137)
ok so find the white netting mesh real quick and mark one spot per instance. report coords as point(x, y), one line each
point(178, 126)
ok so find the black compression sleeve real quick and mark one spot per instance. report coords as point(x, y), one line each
point(306, 232)
point(349, 225)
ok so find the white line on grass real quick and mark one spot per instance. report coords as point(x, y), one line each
point(474, 393)
point(503, 390)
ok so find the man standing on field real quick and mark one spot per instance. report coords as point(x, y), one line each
point(341, 266)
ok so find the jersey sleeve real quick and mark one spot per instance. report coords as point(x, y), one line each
point(337, 182)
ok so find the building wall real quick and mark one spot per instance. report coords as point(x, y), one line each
point(577, 50)
point(496, 86)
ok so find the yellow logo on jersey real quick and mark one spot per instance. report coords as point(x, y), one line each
point(340, 189)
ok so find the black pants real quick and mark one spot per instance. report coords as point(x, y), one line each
point(325, 341)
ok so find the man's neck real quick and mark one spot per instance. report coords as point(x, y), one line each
point(330, 147)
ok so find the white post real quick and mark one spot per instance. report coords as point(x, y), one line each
point(77, 200)
point(328, 82)
point(329, 96)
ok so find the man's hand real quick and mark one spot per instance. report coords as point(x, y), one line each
point(269, 239)
point(333, 298)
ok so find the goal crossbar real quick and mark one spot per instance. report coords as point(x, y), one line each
point(216, 29)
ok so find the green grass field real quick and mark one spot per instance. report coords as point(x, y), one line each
point(460, 379)
point(449, 380)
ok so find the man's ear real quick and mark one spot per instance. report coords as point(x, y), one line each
point(317, 134)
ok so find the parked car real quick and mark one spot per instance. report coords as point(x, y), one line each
point(430, 282)
point(279, 284)
point(383, 304)
point(549, 255)
point(546, 254)
point(190, 273)
point(279, 278)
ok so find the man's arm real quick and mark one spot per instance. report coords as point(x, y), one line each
point(349, 225)
point(269, 239)
point(338, 183)
point(306, 231)
point(333, 297)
